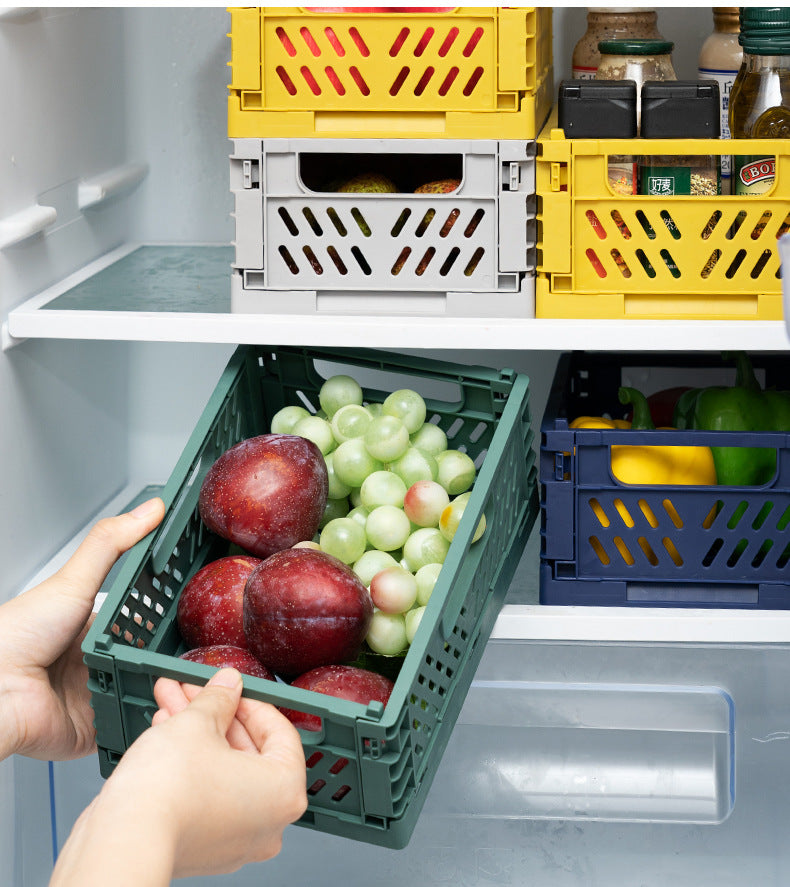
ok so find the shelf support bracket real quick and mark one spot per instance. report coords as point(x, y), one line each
point(7, 341)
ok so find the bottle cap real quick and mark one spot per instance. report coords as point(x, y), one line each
point(765, 30)
point(635, 47)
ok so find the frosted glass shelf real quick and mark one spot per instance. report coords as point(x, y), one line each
point(181, 293)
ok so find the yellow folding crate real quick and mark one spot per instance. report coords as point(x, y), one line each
point(448, 72)
point(607, 255)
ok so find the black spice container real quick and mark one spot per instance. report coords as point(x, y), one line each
point(681, 109)
point(602, 109)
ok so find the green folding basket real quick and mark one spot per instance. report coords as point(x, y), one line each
point(370, 767)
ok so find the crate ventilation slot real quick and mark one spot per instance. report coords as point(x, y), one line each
point(327, 787)
point(331, 43)
point(408, 259)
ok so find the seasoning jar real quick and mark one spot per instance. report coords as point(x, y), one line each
point(720, 59)
point(637, 60)
point(680, 109)
point(760, 98)
point(605, 23)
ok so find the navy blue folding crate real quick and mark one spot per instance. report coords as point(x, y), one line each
point(606, 543)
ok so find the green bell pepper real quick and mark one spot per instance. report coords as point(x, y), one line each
point(742, 407)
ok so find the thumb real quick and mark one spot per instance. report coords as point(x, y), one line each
point(219, 699)
point(107, 540)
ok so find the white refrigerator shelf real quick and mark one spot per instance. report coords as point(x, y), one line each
point(181, 293)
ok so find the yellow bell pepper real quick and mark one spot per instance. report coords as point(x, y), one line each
point(650, 465)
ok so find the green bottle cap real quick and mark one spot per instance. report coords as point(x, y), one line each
point(635, 47)
point(765, 30)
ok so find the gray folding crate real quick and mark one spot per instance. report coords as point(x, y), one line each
point(304, 247)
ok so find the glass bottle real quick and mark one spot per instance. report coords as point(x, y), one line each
point(720, 59)
point(637, 60)
point(607, 22)
point(760, 97)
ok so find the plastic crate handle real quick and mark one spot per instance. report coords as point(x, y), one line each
point(515, 409)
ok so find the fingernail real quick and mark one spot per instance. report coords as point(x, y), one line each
point(226, 677)
point(145, 508)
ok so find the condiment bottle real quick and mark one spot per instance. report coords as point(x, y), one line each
point(637, 60)
point(607, 22)
point(720, 59)
point(760, 98)
point(687, 109)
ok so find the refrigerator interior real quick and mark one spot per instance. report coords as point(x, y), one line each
point(114, 133)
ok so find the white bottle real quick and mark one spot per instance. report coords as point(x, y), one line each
point(720, 59)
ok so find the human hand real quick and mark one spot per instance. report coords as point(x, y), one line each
point(43, 680)
point(190, 800)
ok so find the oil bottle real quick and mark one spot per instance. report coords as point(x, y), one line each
point(760, 97)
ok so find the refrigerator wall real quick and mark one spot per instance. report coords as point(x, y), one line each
point(114, 133)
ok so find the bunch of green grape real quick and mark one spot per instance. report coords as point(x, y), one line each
point(396, 496)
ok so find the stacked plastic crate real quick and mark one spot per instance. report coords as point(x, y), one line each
point(607, 255)
point(318, 98)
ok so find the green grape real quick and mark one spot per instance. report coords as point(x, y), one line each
point(425, 546)
point(456, 471)
point(412, 620)
point(426, 578)
point(386, 438)
point(451, 518)
point(372, 562)
point(387, 528)
point(334, 508)
point(425, 502)
point(349, 421)
point(359, 514)
point(429, 439)
point(355, 498)
point(382, 488)
point(387, 633)
point(394, 590)
point(343, 538)
point(284, 420)
point(337, 391)
point(374, 409)
point(308, 544)
point(337, 489)
point(318, 430)
point(408, 406)
point(353, 463)
point(415, 465)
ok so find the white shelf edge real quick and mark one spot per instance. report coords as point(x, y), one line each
point(394, 332)
point(642, 625)
point(28, 321)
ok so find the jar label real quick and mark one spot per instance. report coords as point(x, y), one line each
point(754, 175)
point(725, 79)
point(583, 72)
point(666, 181)
point(622, 175)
